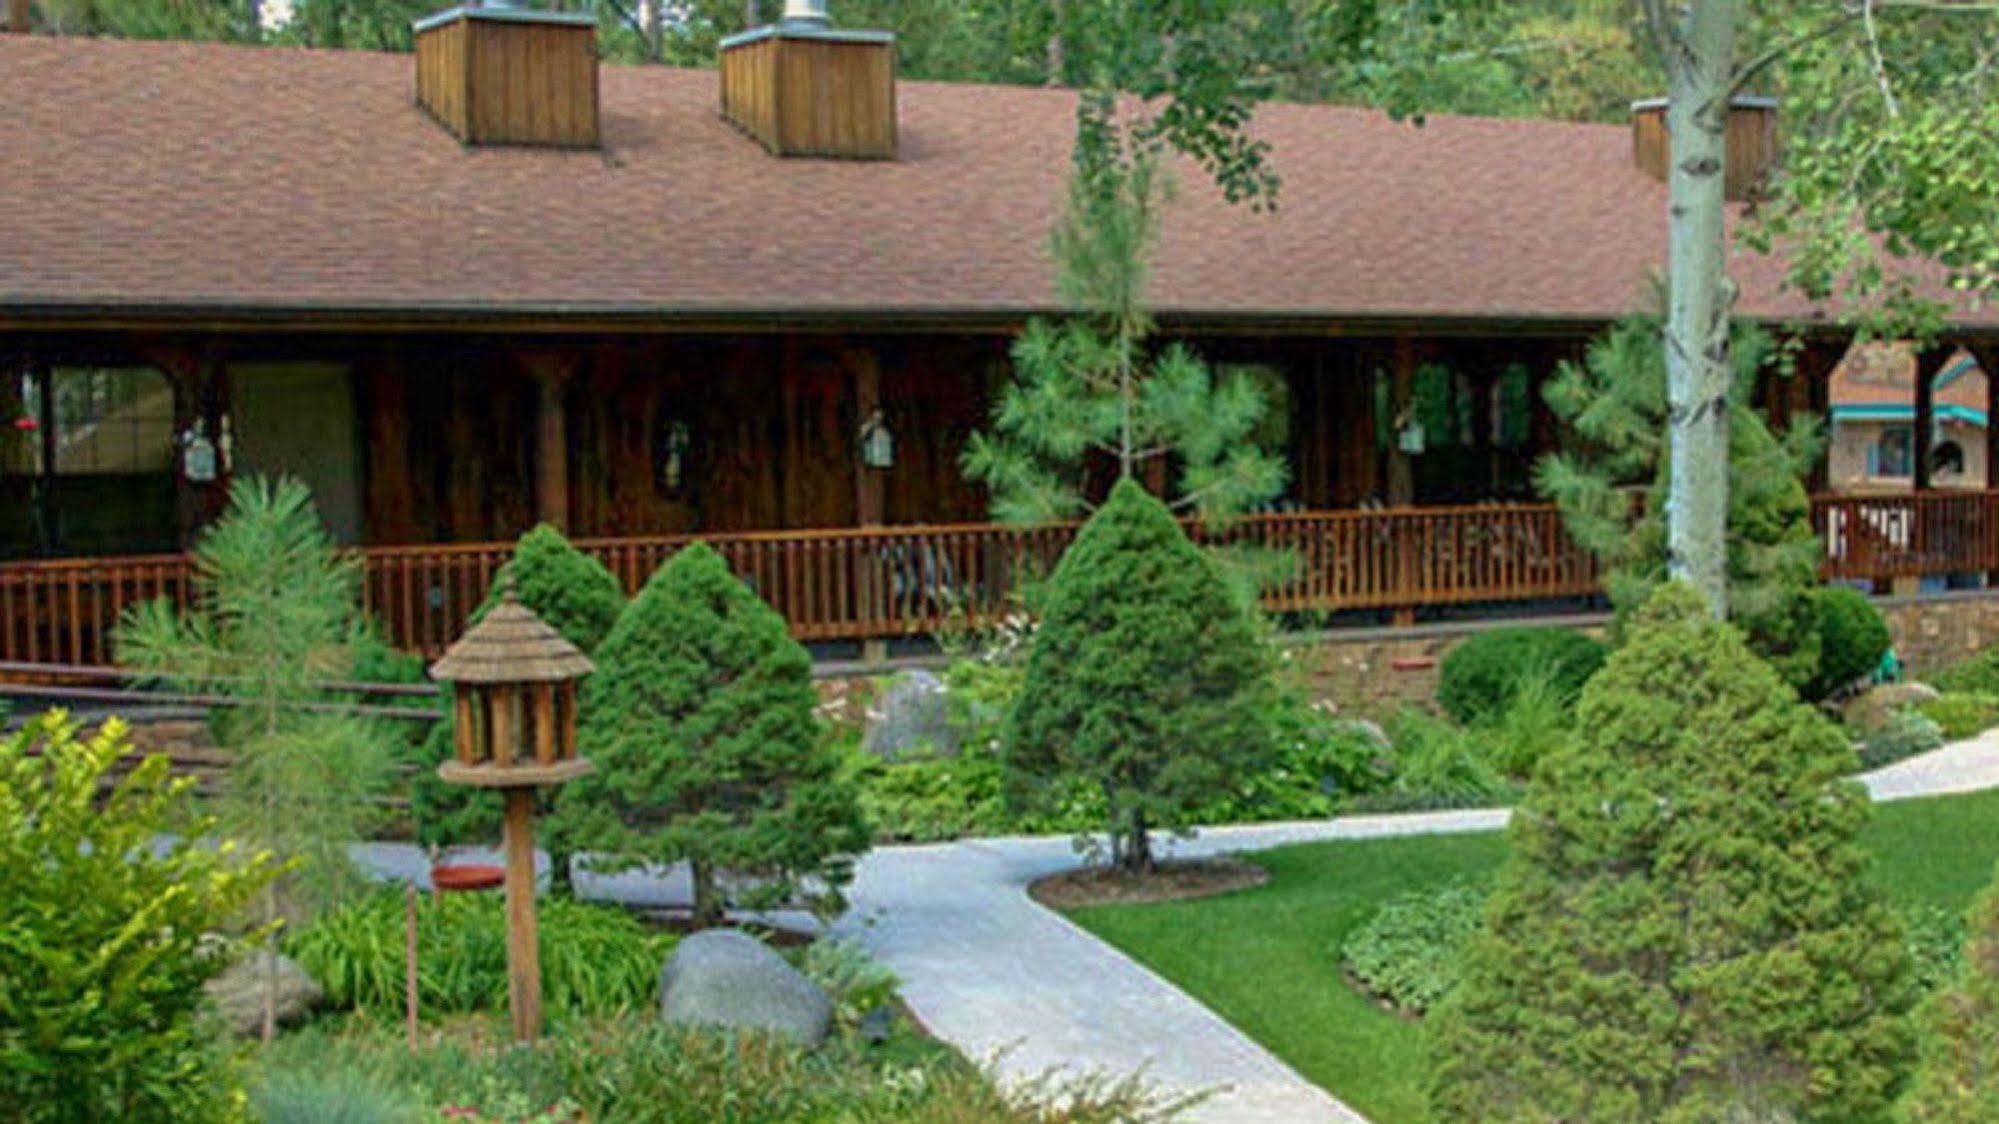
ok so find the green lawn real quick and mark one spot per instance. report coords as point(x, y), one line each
point(1266, 959)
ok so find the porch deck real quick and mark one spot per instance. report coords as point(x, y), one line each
point(882, 582)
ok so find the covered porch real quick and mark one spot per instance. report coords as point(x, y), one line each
point(1410, 460)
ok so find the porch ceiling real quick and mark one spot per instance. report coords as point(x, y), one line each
point(201, 184)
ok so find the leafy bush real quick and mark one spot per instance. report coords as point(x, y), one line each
point(1906, 733)
point(594, 959)
point(1978, 675)
point(105, 935)
point(1684, 928)
point(1438, 764)
point(339, 1097)
point(1480, 676)
point(1960, 1032)
point(700, 718)
point(1936, 945)
point(1539, 713)
point(1961, 714)
point(858, 984)
point(1411, 953)
point(1853, 639)
point(633, 1071)
point(1143, 679)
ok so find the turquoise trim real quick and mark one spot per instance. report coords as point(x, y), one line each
point(1954, 372)
point(1885, 412)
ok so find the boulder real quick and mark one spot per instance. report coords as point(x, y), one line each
point(914, 713)
point(1368, 731)
point(725, 978)
point(238, 993)
point(1869, 710)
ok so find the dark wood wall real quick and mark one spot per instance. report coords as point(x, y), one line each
point(672, 435)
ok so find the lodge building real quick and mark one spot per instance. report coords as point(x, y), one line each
point(494, 283)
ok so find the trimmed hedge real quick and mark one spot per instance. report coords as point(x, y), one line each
point(1853, 639)
point(1479, 677)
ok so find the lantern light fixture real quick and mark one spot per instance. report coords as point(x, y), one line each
point(877, 441)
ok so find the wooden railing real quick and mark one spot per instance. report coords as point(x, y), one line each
point(853, 583)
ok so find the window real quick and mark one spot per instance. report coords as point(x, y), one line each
point(1890, 453)
point(93, 421)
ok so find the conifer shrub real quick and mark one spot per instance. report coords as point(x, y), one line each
point(1954, 1083)
point(700, 719)
point(1147, 678)
point(576, 596)
point(1853, 639)
point(1977, 675)
point(1480, 676)
point(1684, 929)
point(1614, 405)
point(1961, 714)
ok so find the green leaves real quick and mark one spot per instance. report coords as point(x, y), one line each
point(108, 934)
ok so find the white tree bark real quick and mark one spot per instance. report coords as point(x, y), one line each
point(1700, 71)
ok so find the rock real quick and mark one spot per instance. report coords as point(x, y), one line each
point(914, 713)
point(1369, 731)
point(238, 993)
point(726, 978)
point(1870, 709)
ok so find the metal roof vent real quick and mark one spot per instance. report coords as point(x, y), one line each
point(806, 13)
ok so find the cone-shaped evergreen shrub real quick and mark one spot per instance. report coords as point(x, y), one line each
point(577, 597)
point(1958, 1081)
point(700, 720)
point(1684, 930)
point(1144, 678)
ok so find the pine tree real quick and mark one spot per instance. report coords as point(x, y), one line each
point(1615, 404)
point(1958, 1080)
point(1091, 387)
point(1144, 677)
point(274, 611)
point(577, 597)
point(1685, 929)
point(700, 719)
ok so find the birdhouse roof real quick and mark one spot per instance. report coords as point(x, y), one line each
point(511, 645)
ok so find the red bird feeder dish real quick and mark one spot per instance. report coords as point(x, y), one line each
point(515, 712)
point(449, 879)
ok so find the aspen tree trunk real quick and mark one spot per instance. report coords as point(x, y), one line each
point(1700, 72)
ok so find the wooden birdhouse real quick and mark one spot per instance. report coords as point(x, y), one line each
point(515, 713)
point(515, 704)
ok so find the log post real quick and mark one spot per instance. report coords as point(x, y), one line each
point(19, 17)
point(1401, 394)
point(523, 942)
point(1987, 356)
point(870, 491)
point(552, 373)
point(1929, 363)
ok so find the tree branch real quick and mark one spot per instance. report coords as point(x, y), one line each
point(1757, 65)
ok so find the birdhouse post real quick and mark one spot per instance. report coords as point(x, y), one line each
point(515, 717)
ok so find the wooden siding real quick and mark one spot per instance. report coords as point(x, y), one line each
point(1751, 140)
point(511, 81)
point(443, 75)
point(804, 96)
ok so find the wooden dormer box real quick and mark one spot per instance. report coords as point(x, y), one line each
point(510, 76)
point(812, 91)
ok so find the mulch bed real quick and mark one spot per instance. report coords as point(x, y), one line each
point(1171, 881)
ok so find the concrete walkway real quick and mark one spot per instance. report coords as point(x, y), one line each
point(1001, 978)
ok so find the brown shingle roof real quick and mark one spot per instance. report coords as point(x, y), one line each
point(183, 176)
